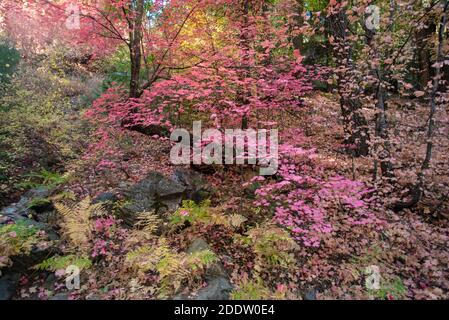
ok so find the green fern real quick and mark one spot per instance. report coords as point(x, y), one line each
point(174, 269)
point(249, 289)
point(203, 213)
point(38, 202)
point(43, 178)
point(58, 262)
point(16, 239)
point(191, 212)
point(204, 257)
point(394, 288)
point(272, 246)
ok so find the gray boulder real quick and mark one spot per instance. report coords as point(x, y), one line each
point(105, 197)
point(196, 188)
point(217, 289)
point(218, 285)
point(198, 244)
point(155, 192)
point(18, 213)
point(310, 294)
point(21, 208)
point(8, 285)
point(62, 296)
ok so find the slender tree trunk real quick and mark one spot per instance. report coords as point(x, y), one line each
point(135, 23)
point(423, 52)
point(381, 129)
point(135, 47)
point(244, 40)
point(355, 124)
point(298, 19)
point(418, 190)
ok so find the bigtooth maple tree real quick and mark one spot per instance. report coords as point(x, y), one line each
point(240, 62)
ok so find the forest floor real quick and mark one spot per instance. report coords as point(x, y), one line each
point(409, 248)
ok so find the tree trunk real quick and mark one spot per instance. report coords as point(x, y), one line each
point(355, 124)
point(135, 47)
point(423, 52)
point(417, 192)
point(299, 21)
point(244, 41)
point(381, 129)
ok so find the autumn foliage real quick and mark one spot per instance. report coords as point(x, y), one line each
point(93, 89)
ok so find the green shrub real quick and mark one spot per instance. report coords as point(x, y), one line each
point(9, 59)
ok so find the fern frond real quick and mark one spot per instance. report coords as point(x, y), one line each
point(62, 262)
point(174, 269)
point(237, 220)
point(272, 246)
point(63, 209)
point(148, 221)
point(76, 222)
point(84, 205)
point(97, 210)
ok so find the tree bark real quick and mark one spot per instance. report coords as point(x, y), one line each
point(355, 124)
point(244, 41)
point(423, 52)
point(135, 35)
point(298, 19)
point(381, 129)
point(418, 190)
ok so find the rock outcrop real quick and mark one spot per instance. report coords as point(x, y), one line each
point(218, 286)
